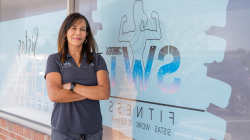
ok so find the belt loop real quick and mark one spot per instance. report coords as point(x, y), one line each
point(83, 136)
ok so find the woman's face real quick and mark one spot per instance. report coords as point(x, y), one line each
point(77, 33)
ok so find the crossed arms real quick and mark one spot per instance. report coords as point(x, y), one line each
point(61, 93)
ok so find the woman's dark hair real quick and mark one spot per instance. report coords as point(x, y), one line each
point(62, 42)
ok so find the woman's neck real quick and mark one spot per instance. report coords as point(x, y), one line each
point(75, 51)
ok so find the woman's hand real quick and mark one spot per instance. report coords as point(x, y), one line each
point(97, 92)
point(66, 86)
point(56, 90)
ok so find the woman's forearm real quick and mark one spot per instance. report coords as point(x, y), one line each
point(98, 92)
point(65, 96)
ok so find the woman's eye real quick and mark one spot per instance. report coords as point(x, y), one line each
point(83, 29)
point(73, 28)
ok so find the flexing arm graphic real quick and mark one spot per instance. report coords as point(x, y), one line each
point(155, 33)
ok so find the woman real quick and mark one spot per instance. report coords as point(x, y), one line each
point(76, 79)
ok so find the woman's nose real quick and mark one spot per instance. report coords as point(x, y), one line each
point(78, 32)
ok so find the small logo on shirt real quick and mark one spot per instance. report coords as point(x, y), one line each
point(92, 64)
point(66, 64)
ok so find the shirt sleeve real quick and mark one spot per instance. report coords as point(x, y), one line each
point(52, 66)
point(101, 64)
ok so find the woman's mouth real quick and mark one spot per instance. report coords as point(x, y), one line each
point(77, 38)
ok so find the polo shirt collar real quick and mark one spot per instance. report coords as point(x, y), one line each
point(84, 56)
point(68, 55)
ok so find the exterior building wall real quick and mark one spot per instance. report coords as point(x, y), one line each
point(13, 131)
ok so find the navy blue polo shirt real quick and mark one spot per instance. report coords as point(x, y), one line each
point(80, 117)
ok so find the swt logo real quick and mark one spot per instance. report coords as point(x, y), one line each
point(137, 38)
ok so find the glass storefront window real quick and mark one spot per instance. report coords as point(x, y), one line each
point(28, 35)
point(178, 69)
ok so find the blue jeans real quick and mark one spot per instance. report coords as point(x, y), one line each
point(59, 135)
